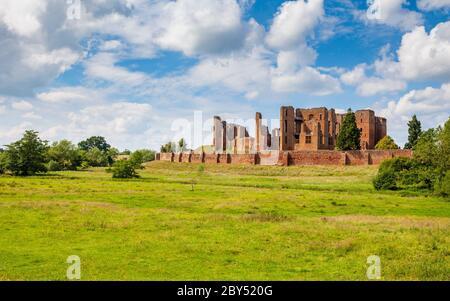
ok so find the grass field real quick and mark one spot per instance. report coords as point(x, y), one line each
point(239, 223)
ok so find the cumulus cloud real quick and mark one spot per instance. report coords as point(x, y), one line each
point(428, 5)
point(201, 26)
point(371, 85)
point(393, 13)
point(306, 80)
point(69, 94)
point(431, 105)
point(426, 56)
point(22, 105)
point(293, 23)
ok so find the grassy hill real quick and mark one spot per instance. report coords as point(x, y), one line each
point(226, 223)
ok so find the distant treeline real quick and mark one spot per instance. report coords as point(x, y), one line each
point(31, 155)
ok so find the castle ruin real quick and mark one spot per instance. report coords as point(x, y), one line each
point(300, 130)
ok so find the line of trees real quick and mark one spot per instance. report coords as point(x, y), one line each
point(428, 169)
point(172, 147)
point(31, 155)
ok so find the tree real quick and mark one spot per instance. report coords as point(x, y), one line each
point(443, 149)
point(387, 143)
point(349, 137)
point(182, 145)
point(3, 162)
point(142, 156)
point(27, 156)
point(94, 142)
point(96, 158)
point(169, 147)
point(426, 148)
point(414, 131)
point(123, 169)
point(65, 155)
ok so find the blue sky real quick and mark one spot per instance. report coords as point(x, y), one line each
point(136, 70)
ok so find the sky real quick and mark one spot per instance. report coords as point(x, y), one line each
point(136, 71)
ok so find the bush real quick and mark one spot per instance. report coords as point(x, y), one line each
point(391, 173)
point(396, 164)
point(54, 166)
point(3, 163)
point(66, 154)
point(385, 180)
point(442, 187)
point(142, 156)
point(387, 143)
point(124, 170)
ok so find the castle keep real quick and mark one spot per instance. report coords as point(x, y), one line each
point(300, 129)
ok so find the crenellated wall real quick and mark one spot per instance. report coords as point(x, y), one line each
point(291, 158)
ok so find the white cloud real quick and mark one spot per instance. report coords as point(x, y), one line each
point(31, 115)
point(22, 105)
point(392, 13)
point(428, 5)
point(426, 56)
point(22, 17)
point(201, 26)
point(306, 80)
point(242, 73)
point(294, 21)
point(103, 67)
point(431, 105)
point(69, 94)
point(372, 85)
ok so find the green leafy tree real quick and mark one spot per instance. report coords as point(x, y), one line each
point(426, 148)
point(94, 142)
point(123, 169)
point(3, 162)
point(414, 131)
point(443, 149)
point(142, 156)
point(27, 156)
point(349, 137)
point(182, 145)
point(169, 147)
point(387, 143)
point(63, 155)
point(90, 148)
point(96, 158)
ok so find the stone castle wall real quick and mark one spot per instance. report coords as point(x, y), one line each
point(291, 158)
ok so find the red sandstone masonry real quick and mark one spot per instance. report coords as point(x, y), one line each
point(369, 157)
point(315, 158)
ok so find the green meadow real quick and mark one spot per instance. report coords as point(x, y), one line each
point(178, 222)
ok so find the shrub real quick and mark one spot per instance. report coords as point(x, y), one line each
point(142, 156)
point(124, 170)
point(385, 180)
point(66, 154)
point(54, 166)
point(442, 187)
point(3, 163)
point(392, 172)
point(387, 143)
